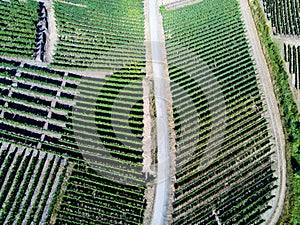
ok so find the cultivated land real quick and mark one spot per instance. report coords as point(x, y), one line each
point(86, 139)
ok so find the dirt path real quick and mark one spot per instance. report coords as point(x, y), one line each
point(273, 116)
point(291, 40)
point(162, 192)
point(52, 31)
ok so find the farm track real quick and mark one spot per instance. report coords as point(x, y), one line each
point(158, 58)
point(161, 198)
point(292, 40)
point(273, 111)
point(52, 31)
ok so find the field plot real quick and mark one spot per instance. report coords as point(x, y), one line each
point(30, 184)
point(292, 56)
point(107, 129)
point(73, 104)
point(104, 35)
point(284, 16)
point(96, 123)
point(17, 28)
point(223, 161)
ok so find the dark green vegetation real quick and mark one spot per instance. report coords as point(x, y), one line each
point(17, 28)
point(93, 124)
point(72, 145)
point(284, 16)
point(223, 156)
point(35, 180)
point(292, 56)
point(290, 115)
point(72, 116)
point(105, 35)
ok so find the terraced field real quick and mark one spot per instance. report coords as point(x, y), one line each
point(291, 55)
point(284, 16)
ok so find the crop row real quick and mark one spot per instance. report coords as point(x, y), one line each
point(100, 124)
point(96, 198)
point(106, 127)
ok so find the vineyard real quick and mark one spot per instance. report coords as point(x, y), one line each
point(285, 20)
point(291, 55)
point(284, 16)
point(223, 158)
point(30, 183)
point(105, 35)
point(56, 112)
point(73, 104)
point(17, 28)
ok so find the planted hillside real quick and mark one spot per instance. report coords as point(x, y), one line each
point(288, 106)
point(223, 159)
point(17, 28)
point(105, 35)
point(35, 103)
point(30, 182)
point(96, 123)
point(107, 127)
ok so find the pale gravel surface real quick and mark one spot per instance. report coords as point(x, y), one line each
point(273, 116)
point(162, 192)
point(292, 40)
point(171, 124)
point(52, 36)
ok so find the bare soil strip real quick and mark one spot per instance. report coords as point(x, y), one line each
point(161, 82)
point(273, 116)
point(291, 40)
point(149, 144)
point(52, 36)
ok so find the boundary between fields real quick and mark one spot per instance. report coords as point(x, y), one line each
point(276, 128)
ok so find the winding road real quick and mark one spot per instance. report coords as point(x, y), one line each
point(162, 192)
point(273, 116)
